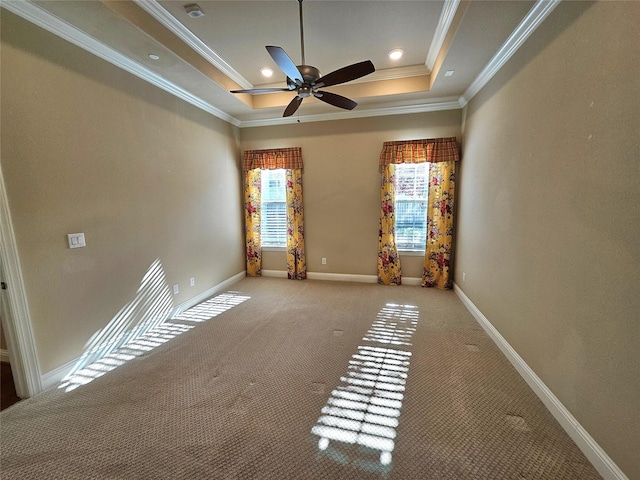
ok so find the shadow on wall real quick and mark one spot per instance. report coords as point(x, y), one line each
point(142, 325)
point(149, 308)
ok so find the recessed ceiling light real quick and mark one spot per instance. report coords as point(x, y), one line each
point(395, 54)
point(193, 10)
point(266, 71)
point(153, 56)
point(449, 73)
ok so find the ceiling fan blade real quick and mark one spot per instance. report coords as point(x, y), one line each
point(346, 74)
point(261, 90)
point(285, 63)
point(292, 107)
point(336, 100)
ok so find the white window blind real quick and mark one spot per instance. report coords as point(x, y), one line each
point(273, 225)
point(412, 188)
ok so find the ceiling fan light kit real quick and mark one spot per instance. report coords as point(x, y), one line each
point(306, 80)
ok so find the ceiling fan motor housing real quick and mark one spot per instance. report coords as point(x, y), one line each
point(307, 81)
point(309, 76)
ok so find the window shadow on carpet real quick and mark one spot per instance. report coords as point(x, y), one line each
point(358, 423)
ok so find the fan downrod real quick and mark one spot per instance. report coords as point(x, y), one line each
point(306, 80)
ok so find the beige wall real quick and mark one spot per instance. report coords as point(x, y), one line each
point(342, 184)
point(548, 208)
point(549, 214)
point(87, 147)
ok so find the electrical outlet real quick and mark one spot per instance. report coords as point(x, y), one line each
point(324, 261)
point(464, 276)
point(192, 281)
point(176, 289)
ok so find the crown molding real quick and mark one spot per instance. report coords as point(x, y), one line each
point(157, 11)
point(448, 103)
point(393, 74)
point(446, 17)
point(538, 13)
point(378, 75)
point(66, 31)
point(38, 16)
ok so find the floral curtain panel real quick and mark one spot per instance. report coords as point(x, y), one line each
point(437, 253)
point(252, 202)
point(296, 259)
point(289, 159)
point(442, 153)
point(389, 272)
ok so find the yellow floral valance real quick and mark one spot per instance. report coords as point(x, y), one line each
point(431, 150)
point(273, 158)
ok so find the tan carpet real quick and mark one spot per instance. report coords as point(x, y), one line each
point(297, 380)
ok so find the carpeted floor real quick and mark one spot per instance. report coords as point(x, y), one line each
point(296, 380)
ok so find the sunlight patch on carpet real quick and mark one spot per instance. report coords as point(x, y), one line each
point(358, 423)
point(212, 307)
point(141, 326)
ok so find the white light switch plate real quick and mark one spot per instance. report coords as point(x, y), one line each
point(76, 240)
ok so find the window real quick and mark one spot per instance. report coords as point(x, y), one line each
point(273, 225)
point(412, 187)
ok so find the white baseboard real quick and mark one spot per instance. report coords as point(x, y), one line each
point(4, 356)
point(340, 277)
point(596, 455)
point(337, 277)
point(55, 376)
point(177, 310)
point(274, 273)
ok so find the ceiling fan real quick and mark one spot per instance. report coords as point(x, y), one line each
point(306, 80)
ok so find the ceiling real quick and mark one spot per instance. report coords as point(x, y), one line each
point(201, 59)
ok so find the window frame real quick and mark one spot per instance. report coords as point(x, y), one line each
point(266, 175)
point(413, 249)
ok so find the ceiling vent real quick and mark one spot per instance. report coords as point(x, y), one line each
point(193, 10)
